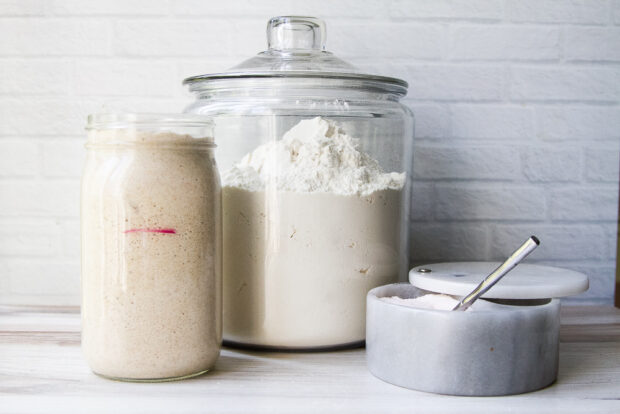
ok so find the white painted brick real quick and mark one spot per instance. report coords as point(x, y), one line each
point(50, 198)
point(492, 42)
point(491, 121)
point(601, 280)
point(29, 237)
point(57, 37)
point(63, 158)
point(56, 66)
point(580, 203)
point(248, 36)
point(551, 164)
point(575, 83)
point(384, 67)
point(35, 76)
point(448, 9)
point(38, 277)
point(48, 116)
point(470, 163)
point(486, 202)
point(447, 242)
point(613, 236)
point(557, 242)
point(582, 122)
point(559, 11)
point(329, 9)
point(186, 68)
point(173, 38)
point(451, 82)
point(421, 41)
point(592, 44)
point(105, 77)
point(23, 7)
point(18, 158)
point(266, 9)
point(71, 241)
point(422, 201)
point(133, 104)
point(67, 117)
point(601, 164)
point(110, 7)
point(431, 121)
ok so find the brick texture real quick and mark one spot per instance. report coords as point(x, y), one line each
point(583, 203)
point(456, 83)
point(549, 164)
point(19, 76)
point(18, 158)
point(489, 202)
point(579, 41)
point(131, 78)
point(565, 84)
point(485, 42)
point(559, 11)
point(63, 158)
point(469, 163)
point(517, 106)
point(568, 243)
point(43, 37)
point(602, 163)
point(493, 121)
point(421, 41)
point(588, 123)
point(448, 9)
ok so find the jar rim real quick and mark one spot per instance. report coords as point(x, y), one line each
point(355, 80)
point(117, 120)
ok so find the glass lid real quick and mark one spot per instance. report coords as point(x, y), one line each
point(296, 49)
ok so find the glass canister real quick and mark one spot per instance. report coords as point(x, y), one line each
point(151, 247)
point(316, 160)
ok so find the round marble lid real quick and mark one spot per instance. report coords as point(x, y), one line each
point(526, 281)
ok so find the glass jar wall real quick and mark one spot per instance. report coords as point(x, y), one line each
point(316, 173)
point(151, 247)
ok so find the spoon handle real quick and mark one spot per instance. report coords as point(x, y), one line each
point(510, 263)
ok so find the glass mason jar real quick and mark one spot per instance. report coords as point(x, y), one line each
point(151, 247)
point(316, 161)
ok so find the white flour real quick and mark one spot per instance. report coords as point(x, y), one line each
point(311, 224)
point(313, 156)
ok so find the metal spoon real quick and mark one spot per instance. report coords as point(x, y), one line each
point(515, 258)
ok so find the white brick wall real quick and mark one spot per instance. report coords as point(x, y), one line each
point(517, 105)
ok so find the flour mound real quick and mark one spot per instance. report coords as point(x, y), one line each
point(314, 156)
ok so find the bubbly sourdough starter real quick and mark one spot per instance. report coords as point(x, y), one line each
point(310, 226)
point(151, 300)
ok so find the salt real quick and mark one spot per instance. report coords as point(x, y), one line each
point(435, 301)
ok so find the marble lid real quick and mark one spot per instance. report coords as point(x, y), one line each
point(526, 281)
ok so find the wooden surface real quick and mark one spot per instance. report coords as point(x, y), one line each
point(42, 371)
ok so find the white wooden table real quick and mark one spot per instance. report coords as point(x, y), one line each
point(42, 371)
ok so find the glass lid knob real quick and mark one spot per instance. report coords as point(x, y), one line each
point(296, 33)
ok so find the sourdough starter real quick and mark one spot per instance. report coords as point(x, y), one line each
point(150, 256)
point(311, 224)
